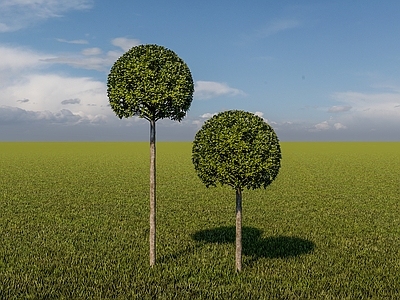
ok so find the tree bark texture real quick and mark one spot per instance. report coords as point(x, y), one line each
point(238, 230)
point(152, 193)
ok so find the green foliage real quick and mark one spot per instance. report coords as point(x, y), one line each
point(151, 82)
point(236, 148)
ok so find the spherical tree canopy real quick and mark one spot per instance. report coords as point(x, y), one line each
point(151, 82)
point(236, 148)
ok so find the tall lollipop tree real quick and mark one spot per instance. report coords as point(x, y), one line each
point(151, 82)
point(238, 149)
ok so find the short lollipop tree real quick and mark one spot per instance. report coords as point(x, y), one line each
point(238, 149)
point(151, 82)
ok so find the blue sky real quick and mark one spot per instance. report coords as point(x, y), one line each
point(315, 70)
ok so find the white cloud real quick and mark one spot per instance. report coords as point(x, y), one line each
point(362, 115)
point(259, 113)
point(51, 92)
point(198, 123)
point(4, 28)
point(71, 101)
point(15, 115)
point(33, 92)
point(18, 14)
point(322, 126)
point(212, 89)
point(78, 42)
point(16, 62)
point(339, 109)
point(377, 106)
point(29, 92)
point(327, 125)
point(339, 126)
point(91, 51)
point(17, 59)
point(91, 59)
point(207, 115)
point(278, 26)
point(124, 43)
point(272, 28)
point(204, 117)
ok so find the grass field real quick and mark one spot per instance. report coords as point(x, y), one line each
point(74, 225)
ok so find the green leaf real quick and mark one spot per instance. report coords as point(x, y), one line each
point(238, 149)
point(151, 82)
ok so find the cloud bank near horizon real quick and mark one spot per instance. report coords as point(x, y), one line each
point(31, 91)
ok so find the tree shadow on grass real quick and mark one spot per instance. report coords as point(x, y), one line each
point(254, 245)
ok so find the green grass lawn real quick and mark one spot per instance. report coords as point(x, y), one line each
point(74, 224)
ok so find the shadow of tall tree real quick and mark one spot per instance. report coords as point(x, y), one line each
point(255, 245)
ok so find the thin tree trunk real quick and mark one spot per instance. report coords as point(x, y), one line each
point(238, 230)
point(152, 193)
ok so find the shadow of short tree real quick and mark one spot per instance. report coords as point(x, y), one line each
point(255, 245)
